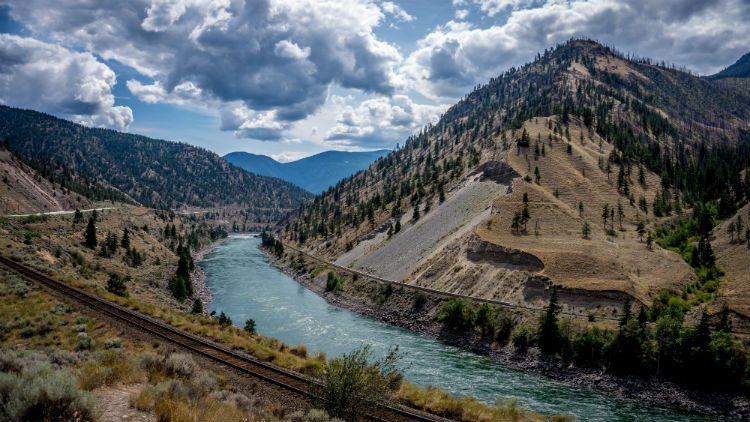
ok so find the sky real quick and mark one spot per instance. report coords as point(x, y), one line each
point(290, 79)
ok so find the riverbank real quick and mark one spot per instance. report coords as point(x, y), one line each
point(198, 276)
point(397, 307)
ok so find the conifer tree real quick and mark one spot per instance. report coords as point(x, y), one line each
point(549, 331)
point(125, 242)
point(90, 234)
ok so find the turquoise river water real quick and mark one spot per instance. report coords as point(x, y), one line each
point(245, 285)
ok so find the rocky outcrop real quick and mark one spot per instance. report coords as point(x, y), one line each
point(480, 251)
point(496, 171)
point(540, 288)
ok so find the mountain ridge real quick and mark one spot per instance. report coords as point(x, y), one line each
point(738, 69)
point(154, 172)
point(641, 141)
point(314, 173)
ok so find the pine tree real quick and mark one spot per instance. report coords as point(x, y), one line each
point(250, 326)
point(605, 215)
point(197, 306)
point(549, 331)
point(90, 234)
point(641, 230)
point(125, 242)
point(525, 217)
point(77, 217)
point(116, 285)
point(627, 312)
point(536, 174)
point(585, 230)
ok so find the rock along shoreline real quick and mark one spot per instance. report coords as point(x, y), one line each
point(649, 391)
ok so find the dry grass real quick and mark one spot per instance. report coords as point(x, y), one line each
point(440, 402)
point(734, 259)
point(604, 261)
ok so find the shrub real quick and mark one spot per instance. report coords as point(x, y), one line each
point(505, 325)
point(180, 364)
point(84, 342)
point(114, 343)
point(61, 308)
point(20, 289)
point(419, 300)
point(523, 338)
point(224, 320)
point(587, 345)
point(197, 306)
point(41, 394)
point(334, 283)
point(116, 284)
point(485, 319)
point(353, 387)
point(456, 313)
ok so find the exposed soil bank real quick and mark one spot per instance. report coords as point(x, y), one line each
point(397, 307)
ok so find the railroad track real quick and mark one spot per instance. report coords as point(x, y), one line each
point(279, 377)
point(448, 294)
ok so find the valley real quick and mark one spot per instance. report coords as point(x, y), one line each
point(569, 241)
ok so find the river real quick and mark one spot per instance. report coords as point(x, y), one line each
point(245, 285)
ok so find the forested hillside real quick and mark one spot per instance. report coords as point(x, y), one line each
point(740, 69)
point(153, 172)
point(591, 132)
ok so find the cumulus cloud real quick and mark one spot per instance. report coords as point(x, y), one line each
point(275, 58)
point(493, 7)
point(381, 121)
point(461, 14)
point(457, 55)
point(396, 11)
point(48, 77)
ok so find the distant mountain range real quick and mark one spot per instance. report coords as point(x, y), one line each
point(153, 172)
point(740, 69)
point(315, 173)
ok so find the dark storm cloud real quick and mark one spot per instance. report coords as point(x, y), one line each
point(268, 56)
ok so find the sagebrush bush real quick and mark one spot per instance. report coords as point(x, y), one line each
point(84, 342)
point(180, 364)
point(113, 343)
point(43, 394)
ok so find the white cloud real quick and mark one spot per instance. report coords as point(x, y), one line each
point(493, 7)
point(382, 121)
point(275, 57)
point(287, 156)
point(291, 50)
point(461, 14)
point(396, 11)
point(51, 78)
point(456, 56)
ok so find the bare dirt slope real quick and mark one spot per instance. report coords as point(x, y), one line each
point(23, 190)
point(465, 206)
point(733, 256)
point(500, 263)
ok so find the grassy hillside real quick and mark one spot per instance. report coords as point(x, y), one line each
point(153, 172)
point(315, 173)
point(585, 127)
